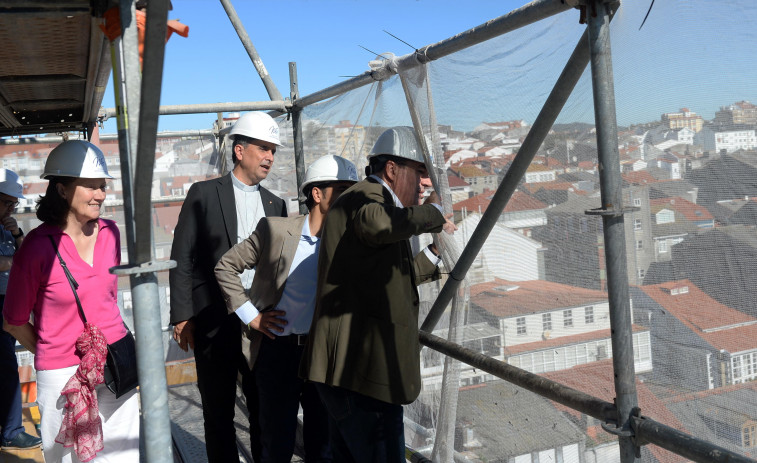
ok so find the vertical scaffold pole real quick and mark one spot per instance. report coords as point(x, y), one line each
point(137, 139)
point(126, 82)
point(299, 145)
point(613, 222)
point(270, 87)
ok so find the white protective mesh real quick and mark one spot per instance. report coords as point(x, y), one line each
point(535, 296)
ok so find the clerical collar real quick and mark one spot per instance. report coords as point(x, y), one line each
point(246, 188)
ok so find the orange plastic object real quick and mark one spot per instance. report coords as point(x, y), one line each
point(112, 27)
point(29, 392)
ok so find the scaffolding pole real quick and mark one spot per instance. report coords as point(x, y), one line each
point(611, 211)
point(299, 145)
point(106, 136)
point(523, 16)
point(168, 110)
point(126, 81)
point(543, 123)
point(273, 92)
point(156, 429)
point(646, 430)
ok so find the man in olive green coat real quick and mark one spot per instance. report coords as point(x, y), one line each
point(363, 349)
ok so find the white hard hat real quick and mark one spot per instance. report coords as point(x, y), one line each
point(257, 125)
point(330, 168)
point(399, 142)
point(11, 184)
point(76, 158)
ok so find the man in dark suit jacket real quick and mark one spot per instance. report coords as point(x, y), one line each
point(216, 215)
point(363, 349)
point(278, 311)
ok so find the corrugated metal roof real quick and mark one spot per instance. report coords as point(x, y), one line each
point(54, 66)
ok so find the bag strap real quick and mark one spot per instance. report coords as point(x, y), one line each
point(71, 280)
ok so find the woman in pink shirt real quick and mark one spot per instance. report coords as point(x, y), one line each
point(106, 428)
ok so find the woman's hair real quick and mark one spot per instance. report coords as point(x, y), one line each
point(53, 208)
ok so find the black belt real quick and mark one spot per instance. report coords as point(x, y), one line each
point(296, 339)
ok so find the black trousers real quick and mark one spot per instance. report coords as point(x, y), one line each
point(280, 394)
point(218, 357)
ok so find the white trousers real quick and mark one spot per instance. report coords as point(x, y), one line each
point(120, 420)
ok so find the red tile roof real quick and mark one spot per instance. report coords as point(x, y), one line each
point(167, 218)
point(456, 182)
point(696, 395)
point(469, 170)
point(721, 326)
point(518, 202)
point(691, 211)
point(35, 188)
point(448, 154)
point(565, 340)
point(538, 168)
point(597, 379)
point(639, 177)
point(533, 296)
point(504, 125)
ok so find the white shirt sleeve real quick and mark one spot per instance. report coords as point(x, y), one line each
point(247, 312)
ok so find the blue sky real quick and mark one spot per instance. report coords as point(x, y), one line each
point(322, 37)
point(690, 53)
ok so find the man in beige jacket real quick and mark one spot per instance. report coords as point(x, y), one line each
point(278, 312)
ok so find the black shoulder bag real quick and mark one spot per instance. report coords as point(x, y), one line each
point(121, 364)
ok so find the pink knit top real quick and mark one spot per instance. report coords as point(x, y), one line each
point(38, 286)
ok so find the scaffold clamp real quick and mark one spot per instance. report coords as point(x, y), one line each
point(611, 212)
point(147, 267)
point(637, 440)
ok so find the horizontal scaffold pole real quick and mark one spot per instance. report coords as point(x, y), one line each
point(280, 106)
point(645, 430)
point(565, 395)
point(105, 136)
point(523, 16)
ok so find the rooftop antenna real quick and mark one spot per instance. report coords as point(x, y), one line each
point(647, 15)
point(414, 48)
point(373, 52)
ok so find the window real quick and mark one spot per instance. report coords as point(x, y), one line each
point(641, 273)
point(637, 202)
point(637, 224)
point(546, 321)
point(748, 435)
point(589, 315)
point(663, 246)
point(639, 244)
point(567, 318)
point(520, 324)
point(641, 348)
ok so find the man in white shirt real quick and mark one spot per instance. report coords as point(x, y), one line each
point(216, 215)
point(279, 309)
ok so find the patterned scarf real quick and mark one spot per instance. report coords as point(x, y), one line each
point(82, 427)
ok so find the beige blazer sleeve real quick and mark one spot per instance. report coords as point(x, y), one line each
point(240, 257)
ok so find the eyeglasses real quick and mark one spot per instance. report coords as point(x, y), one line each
point(9, 204)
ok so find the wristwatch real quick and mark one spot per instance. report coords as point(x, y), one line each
point(19, 235)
